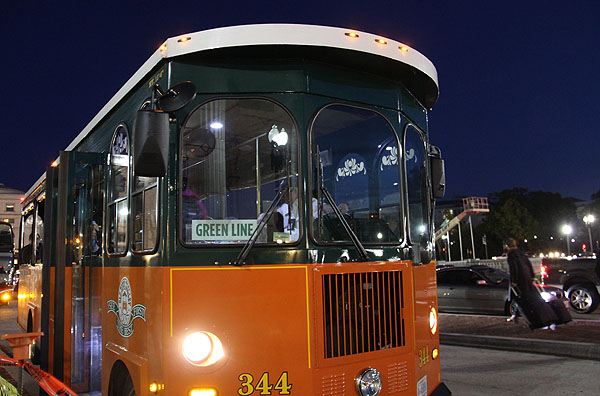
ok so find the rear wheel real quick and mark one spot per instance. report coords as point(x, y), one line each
point(583, 298)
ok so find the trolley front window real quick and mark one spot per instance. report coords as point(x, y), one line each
point(237, 157)
point(416, 180)
point(359, 159)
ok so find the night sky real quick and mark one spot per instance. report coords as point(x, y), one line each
point(519, 82)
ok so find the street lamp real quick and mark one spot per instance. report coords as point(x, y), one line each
point(588, 220)
point(566, 229)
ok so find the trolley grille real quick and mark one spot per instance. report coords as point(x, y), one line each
point(362, 312)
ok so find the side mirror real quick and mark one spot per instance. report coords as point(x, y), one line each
point(438, 173)
point(150, 143)
point(151, 129)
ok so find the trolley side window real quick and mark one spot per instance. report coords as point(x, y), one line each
point(359, 156)
point(237, 156)
point(144, 204)
point(28, 240)
point(417, 188)
point(118, 208)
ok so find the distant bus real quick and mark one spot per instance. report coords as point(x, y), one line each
point(251, 214)
point(7, 249)
point(7, 244)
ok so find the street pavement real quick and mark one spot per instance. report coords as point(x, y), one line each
point(488, 372)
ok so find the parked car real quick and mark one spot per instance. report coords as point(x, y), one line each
point(480, 289)
point(578, 277)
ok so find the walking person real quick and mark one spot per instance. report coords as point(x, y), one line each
point(530, 303)
point(521, 273)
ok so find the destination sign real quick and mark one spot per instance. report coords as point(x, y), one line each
point(222, 230)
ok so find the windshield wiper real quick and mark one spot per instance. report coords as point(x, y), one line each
point(241, 258)
point(362, 252)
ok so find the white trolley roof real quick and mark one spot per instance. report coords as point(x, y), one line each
point(267, 34)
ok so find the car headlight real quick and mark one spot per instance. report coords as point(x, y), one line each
point(202, 348)
point(546, 296)
point(368, 383)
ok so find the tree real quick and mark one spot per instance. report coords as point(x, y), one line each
point(532, 216)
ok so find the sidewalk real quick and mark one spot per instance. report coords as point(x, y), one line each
point(8, 325)
point(578, 339)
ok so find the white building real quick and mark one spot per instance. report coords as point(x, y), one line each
point(10, 208)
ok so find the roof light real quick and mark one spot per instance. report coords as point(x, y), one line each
point(352, 34)
point(54, 164)
point(380, 41)
point(163, 47)
point(184, 39)
point(403, 48)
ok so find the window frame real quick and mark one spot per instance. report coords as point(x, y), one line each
point(423, 137)
point(110, 201)
point(298, 175)
point(310, 181)
point(157, 185)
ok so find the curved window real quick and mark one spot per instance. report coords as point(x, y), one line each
point(417, 190)
point(358, 154)
point(237, 157)
point(117, 195)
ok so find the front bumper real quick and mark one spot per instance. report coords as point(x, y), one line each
point(441, 390)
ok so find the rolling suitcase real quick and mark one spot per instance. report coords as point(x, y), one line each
point(536, 311)
point(561, 311)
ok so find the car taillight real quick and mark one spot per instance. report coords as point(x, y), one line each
point(543, 271)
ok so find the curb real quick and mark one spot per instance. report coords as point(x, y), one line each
point(579, 350)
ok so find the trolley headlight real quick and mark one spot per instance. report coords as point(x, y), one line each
point(433, 320)
point(368, 383)
point(5, 296)
point(202, 348)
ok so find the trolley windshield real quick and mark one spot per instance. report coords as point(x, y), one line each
point(360, 167)
point(236, 156)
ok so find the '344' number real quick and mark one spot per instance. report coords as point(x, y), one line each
point(263, 385)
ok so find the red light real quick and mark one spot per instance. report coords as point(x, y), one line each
point(22, 199)
point(583, 247)
point(543, 271)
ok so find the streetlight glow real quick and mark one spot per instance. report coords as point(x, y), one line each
point(588, 220)
point(566, 229)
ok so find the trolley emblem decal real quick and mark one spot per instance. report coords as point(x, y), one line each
point(351, 167)
point(124, 311)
